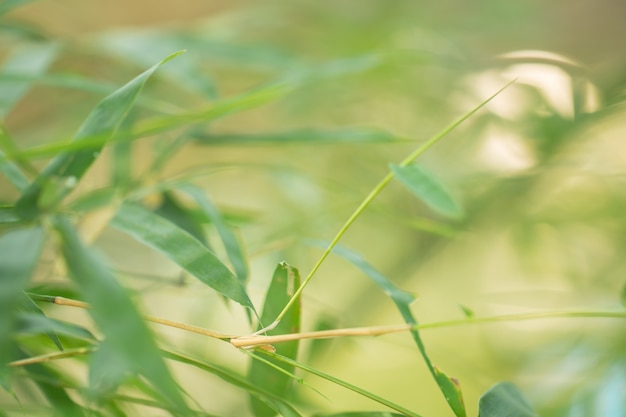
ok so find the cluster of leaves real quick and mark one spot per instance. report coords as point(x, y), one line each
point(127, 365)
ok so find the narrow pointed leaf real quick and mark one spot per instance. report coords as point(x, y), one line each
point(62, 174)
point(402, 299)
point(19, 252)
point(172, 209)
point(504, 400)
point(234, 250)
point(284, 282)
point(129, 346)
point(182, 248)
point(362, 135)
point(425, 187)
point(40, 324)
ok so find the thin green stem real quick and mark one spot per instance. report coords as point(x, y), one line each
point(370, 197)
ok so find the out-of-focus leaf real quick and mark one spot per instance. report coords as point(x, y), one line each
point(19, 252)
point(7, 167)
point(29, 59)
point(234, 250)
point(171, 209)
point(182, 248)
point(623, 296)
point(504, 400)
point(7, 5)
point(285, 281)
point(7, 215)
point(47, 381)
point(428, 189)
point(94, 199)
point(128, 346)
point(65, 170)
point(361, 414)
point(40, 324)
point(402, 299)
point(278, 403)
point(362, 135)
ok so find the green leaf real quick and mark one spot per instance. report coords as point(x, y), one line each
point(623, 296)
point(31, 59)
point(504, 400)
point(284, 282)
point(128, 346)
point(182, 248)
point(28, 306)
point(7, 215)
point(61, 175)
point(278, 403)
point(40, 324)
point(362, 135)
point(171, 209)
point(425, 187)
point(19, 253)
point(402, 299)
point(234, 251)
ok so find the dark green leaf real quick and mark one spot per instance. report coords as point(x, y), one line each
point(182, 248)
point(171, 209)
point(234, 251)
point(65, 170)
point(7, 215)
point(504, 400)
point(19, 253)
point(362, 135)
point(28, 305)
point(31, 59)
point(285, 281)
point(425, 187)
point(129, 346)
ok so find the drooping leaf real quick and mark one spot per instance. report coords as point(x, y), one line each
point(171, 209)
point(182, 248)
point(428, 189)
point(285, 281)
point(234, 251)
point(19, 252)
point(129, 346)
point(362, 135)
point(62, 174)
point(504, 400)
point(28, 306)
point(402, 299)
point(278, 403)
point(31, 59)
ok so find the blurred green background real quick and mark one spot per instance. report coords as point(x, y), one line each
point(539, 172)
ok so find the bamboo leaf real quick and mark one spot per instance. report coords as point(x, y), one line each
point(361, 414)
point(7, 5)
point(128, 347)
point(182, 248)
point(362, 135)
point(402, 299)
point(504, 400)
point(62, 174)
point(284, 282)
point(234, 251)
point(425, 187)
point(19, 253)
